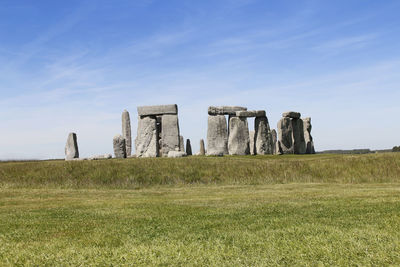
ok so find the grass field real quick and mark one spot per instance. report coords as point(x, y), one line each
point(324, 210)
point(246, 170)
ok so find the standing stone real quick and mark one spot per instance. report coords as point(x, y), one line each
point(263, 137)
point(126, 131)
point(119, 146)
point(299, 143)
point(274, 142)
point(285, 135)
point(307, 136)
point(217, 136)
point(188, 147)
point(202, 148)
point(239, 137)
point(71, 147)
point(181, 144)
point(252, 142)
point(147, 137)
point(169, 134)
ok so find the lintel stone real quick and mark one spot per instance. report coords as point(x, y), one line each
point(157, 110)
point(291, 114)
point(251, 113)
point(225, 110)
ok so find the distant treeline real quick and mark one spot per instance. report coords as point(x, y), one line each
point(396, 149)
point(359, 151)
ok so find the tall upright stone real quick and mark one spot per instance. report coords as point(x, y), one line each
point(119, 146)
point(251, 135)
point(239, 137)
point(307, 136)
point(274, 141)
point(217, 135)
point(188, 148)
point(181, 144)
point(147, 137)
point(71, 147)
point(262, 137)
point(202, 148)
point(299, 143)
point(285, 135)
point(169, 134)
point(126, 131)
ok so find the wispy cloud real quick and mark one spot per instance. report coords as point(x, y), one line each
point(350, 42)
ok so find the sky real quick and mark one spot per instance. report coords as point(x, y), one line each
point(74, 66)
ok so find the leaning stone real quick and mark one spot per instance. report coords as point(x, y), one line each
point(169, 134)
point(71, 147)
point(285, 135)
point(263, 137)
point(176, 154)
point(217, 136)
point(252, 142)
point(181, 144)
point(126, 131)
point(157, 110)
point(299, 143)
point(188, 147)
point(147, 138)
point(291, 114)
point(119, 146)
point(307, 136)
point(224, 110)
point(239, 139)
point(202, 151)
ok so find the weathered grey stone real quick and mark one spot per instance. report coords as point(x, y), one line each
point(291, 114)
point(169, 134)
point(119, 146)
point(181, 144)
point(278, 149)
point(263, 137)
point(217, 136)
point(299, 143)
point(126, 131)
point(239, 140)
point(202, 151)
point(188, 147)
point(261, 113)
point(307, 136)
point(98, 157)
point(274, 141)
point(224, 110)
point(147, 138)
point(251, 135)
point(246, 113)
point(71, 147)
point(176, 154)
point(157, 110)
point(251, 113)
point(285, 135)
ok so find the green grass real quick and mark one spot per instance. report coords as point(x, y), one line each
point(316, 210)
point(141, 172)
point(291, 225)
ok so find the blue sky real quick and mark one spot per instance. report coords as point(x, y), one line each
point(75, 65)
